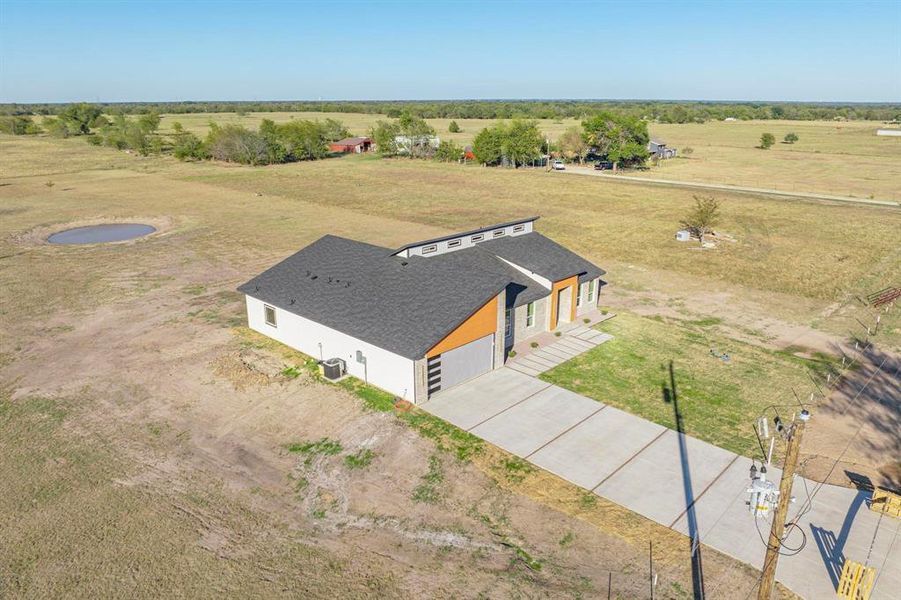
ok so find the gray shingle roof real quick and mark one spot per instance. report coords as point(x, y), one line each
point(407, 305)
point(542, 256)
point(403, 305)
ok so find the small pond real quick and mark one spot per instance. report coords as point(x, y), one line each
point(98, 234)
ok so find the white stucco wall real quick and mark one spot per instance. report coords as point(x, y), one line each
point(389, 371)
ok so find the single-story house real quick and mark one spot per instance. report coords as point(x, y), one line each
point(405, 144)
point(355, 145)
point(658, 148)
point(427, 316)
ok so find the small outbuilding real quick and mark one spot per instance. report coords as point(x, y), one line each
point(352, 145)
point(659, 149)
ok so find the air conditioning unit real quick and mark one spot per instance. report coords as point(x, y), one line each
point(334, 368)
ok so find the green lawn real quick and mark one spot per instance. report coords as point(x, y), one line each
point(720, 401)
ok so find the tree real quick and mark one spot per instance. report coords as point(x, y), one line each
point(523, 141)
point(78, 117)
point(703, 217)
point(572, 143)
point(334, 130)
point(384, 134)
point(517, 142)
point(621, 138)
point(302, 140)
point(417, 135)
point(448, 151)
point(488, 145)
point(790, 138)
point(234, 143)
point(149, 122)
point(767, 140)
point(453, 127)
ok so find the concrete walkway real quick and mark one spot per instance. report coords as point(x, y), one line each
point(731, 188)
point(683, 483)
point(558, 350)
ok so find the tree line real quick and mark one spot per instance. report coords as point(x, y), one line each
point(270, 143)
point(657, 111)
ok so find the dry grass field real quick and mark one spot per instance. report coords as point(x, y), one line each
point(148, 438)
point(148, 435)
point(839, 158)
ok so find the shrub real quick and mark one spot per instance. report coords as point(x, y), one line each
point(790, 138)
point(767, 140)
point(512, 353)
point(234, 143)
point(361, 459)
point(534, 344)
point(453, 127)
point(18, 125)
point(188, 146)
point(55, 127)
point(448, 152)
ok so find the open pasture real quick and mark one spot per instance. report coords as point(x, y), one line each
point(840, 158)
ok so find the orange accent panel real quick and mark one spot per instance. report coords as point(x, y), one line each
point(482, 322)
point(556, 287)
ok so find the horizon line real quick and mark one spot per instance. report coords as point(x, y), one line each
point(400, 100)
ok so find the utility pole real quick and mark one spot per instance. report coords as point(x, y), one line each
point(793, 434)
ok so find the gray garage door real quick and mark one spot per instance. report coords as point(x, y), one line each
point(461, 364)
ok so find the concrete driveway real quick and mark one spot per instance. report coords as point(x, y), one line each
point(676, 480)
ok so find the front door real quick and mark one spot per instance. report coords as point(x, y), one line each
point(564, 305)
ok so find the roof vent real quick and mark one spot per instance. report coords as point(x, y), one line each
point(315, 277)
point(404, 263)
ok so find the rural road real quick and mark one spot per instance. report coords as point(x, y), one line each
point(697, 185)
point(685, 484)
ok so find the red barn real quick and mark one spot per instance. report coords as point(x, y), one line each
point(354, 145)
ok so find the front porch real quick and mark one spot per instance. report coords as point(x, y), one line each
point(574, 339)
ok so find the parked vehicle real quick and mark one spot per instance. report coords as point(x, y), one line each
point(559, 166)
point(603, 165)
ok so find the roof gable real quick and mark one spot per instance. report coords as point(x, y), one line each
point(402, 305)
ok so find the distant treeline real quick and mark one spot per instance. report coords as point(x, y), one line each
point(660, 111)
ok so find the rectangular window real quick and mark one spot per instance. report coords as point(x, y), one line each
point(454, 243)
point(591, 290)
point(579, 295)
point(429, 249)
point(497, 233)
point(508, 323)
point(518, 228)
point(269, 314)
point(530, 314)
point(477, 238)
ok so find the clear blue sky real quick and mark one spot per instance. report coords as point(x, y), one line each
point(213, 50)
